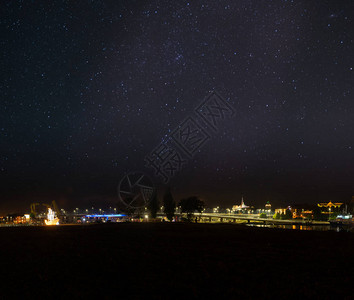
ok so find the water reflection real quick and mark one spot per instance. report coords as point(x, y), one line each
point(303, 227)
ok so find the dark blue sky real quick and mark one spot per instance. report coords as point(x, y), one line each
point(89, 88)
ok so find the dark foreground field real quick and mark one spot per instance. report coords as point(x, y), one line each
point(164, 261)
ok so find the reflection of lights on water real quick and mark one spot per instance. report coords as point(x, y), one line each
point(297, 227)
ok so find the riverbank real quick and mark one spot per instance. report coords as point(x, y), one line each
point(177, 260)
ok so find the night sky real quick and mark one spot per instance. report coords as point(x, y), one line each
point(90, 88)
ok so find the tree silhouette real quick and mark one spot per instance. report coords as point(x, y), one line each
point(169, 204)
point(154, 205)
point(288, 214)
point(318, 215)
point(190, 205)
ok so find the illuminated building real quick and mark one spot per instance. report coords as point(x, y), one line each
point(240, 207)
point(281, 210)
point(302, 213)
point(19, 220)
point(268, 206)
point(330, 207)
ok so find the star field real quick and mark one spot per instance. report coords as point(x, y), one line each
point(89, 88)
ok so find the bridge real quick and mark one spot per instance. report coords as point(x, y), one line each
point(225, 218)
point(246, 218)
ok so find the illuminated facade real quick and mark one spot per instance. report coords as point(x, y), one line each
point(19, 220)
point(330, 207)
point(240, 207)
point(280, 210)
point(268, 206)
point(15, 219)
point(302, 213)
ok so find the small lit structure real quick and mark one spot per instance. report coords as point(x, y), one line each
point(344, 217)
point(240, 207)
point(51, 218)
point(268, 206)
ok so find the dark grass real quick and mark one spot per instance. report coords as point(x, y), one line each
point(164, 261)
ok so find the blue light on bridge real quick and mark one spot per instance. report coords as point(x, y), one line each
point(106, 216)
